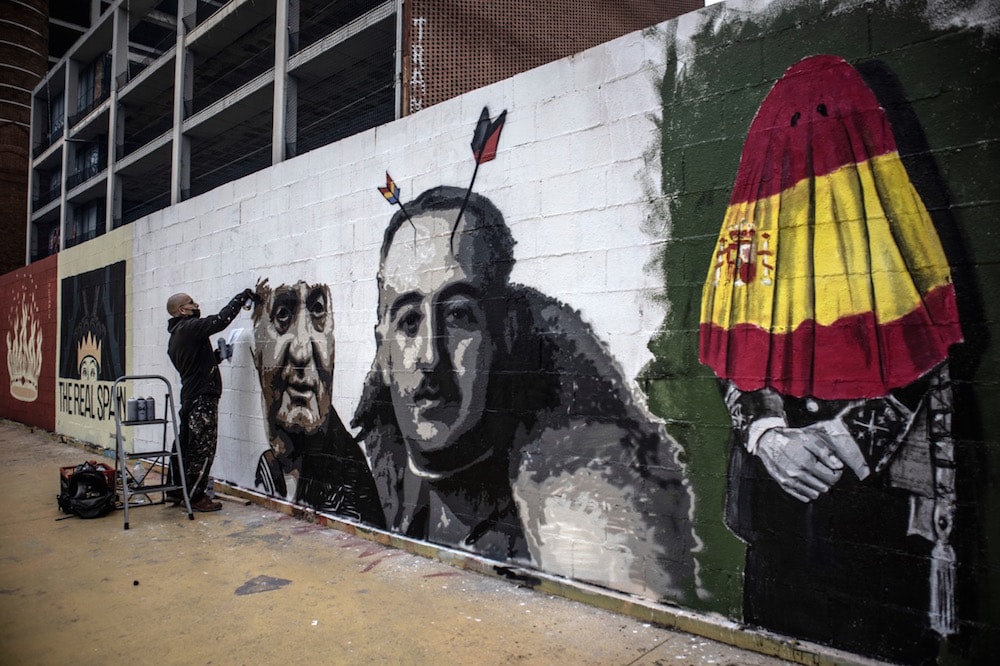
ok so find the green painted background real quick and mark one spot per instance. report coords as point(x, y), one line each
point(940, 90)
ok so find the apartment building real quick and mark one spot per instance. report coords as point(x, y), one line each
point(163, 100)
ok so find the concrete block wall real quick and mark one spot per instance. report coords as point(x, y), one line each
point(613, 173)
point(578, 223)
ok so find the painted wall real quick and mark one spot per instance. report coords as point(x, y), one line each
point(28, 328)
point(855, 559)
point(648, 351)
point(95, 335)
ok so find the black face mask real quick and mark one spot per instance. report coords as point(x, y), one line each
point(195, 314)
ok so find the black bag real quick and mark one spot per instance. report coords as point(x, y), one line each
point(87, 490)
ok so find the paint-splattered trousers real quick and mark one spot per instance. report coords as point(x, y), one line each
point(199, 433)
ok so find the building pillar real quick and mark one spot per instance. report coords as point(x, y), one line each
point(180, 169)
point(398, 80)
point(68, 154)
point(116, 131)
point(284, 125)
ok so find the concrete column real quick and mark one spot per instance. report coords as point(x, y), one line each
point(180, 169)
point(291, 116)
point(398, 79)
point(292, 83)
point(72, 91)
point(69, 108)
point(119, 65)
point(34, 136)
point(279, 121)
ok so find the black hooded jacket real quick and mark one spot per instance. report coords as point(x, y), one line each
point(190, 349)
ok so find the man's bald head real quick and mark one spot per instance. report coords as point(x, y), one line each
point(176, 305)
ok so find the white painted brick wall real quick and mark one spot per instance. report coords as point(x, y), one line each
point(570, 177)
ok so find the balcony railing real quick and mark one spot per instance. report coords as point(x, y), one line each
point(46, 141)
point(38, 255)
point(133, 210)
point(210, 92)
point(86, 173)
point(79, 115)
point(85, 235)
point(45, 198)
point(132, 70)
point(135, 67)
point(203, 11)
point(137, 138)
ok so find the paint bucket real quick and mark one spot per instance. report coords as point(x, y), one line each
point(140, 409)
point(150, 409)
point(132, 410)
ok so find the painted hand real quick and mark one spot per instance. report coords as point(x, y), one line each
point(803, 462)
point(844, 446)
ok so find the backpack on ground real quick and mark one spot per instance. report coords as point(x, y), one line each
point(87, 490)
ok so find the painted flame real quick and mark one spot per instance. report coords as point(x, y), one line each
point(24, 349)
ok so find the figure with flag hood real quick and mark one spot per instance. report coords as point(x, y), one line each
point(497, 422)
point(828, 312)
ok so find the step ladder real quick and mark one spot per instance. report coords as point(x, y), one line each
point(132, 483)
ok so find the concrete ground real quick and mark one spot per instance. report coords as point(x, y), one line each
point(250, 585)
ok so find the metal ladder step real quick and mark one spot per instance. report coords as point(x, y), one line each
point(131, 484)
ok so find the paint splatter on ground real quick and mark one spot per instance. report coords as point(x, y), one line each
point(261, 584)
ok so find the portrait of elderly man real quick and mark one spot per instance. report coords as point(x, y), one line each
point(312, 458)
point(497, 422)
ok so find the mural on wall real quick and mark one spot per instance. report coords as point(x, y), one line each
point(312, 459)
point(833, 407)
point(24, 344)
point(28, 349)
point(827, 313)
point(498, 423)
point(92, 349)
point(493, 420)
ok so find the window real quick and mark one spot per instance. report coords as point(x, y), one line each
point(87, 222)
point(94, 84)
point(48, 187)
point(89, 159)
point(57, 115)
point(85, 89)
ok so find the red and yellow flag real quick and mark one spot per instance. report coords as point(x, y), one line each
point(828, 278)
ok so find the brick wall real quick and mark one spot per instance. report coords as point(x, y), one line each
point(23, 55)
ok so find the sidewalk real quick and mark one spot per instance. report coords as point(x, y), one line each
point(249, 585)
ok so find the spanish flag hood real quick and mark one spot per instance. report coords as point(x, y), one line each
point(828, 278)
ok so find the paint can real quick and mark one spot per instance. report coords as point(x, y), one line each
point(140, 409)
point(150, 409)
point(132, 410)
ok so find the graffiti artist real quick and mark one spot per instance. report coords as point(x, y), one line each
point(190, 350)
